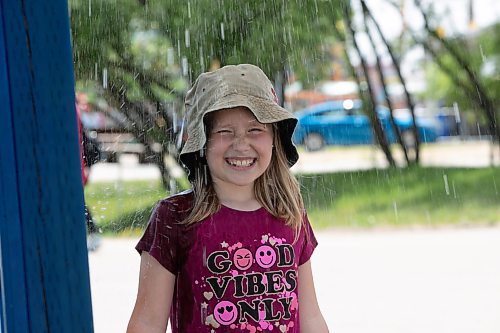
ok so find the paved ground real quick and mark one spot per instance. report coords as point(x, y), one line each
point(454, 153)
point(422, 281)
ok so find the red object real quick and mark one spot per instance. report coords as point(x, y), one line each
point(275, 96)
point(80, 141)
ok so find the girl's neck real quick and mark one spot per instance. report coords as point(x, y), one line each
point(237, 197)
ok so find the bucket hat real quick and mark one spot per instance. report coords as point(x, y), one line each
point(228, 87)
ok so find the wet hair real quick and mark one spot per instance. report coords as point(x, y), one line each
point(277, 190)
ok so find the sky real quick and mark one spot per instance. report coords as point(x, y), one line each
point(454, 15)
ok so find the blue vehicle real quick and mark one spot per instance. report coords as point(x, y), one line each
point(344, 123)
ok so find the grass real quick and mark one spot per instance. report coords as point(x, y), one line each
point(375, 198)
point(403, 197)
point(123, 207)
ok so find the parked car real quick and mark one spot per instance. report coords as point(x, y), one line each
point(344, 123)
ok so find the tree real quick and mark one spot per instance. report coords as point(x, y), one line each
point(383, 82)
point(141, 55)
point(467, 77)
point(125, 59)
point(275, 35)
point(409, 99)
point(369, 100)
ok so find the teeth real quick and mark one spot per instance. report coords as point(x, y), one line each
point(241, 163)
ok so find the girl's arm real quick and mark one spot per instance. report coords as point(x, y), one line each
point(152, 307)
point(311, 319)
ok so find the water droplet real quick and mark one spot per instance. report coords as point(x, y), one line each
point(184, 66)
point(187, 38)
point(457, 112)
point(446, 186)
point(170, 56)
point(105, 78)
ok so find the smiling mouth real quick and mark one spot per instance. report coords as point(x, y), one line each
point(248, 162)
point(228, 320)
point(245, 263)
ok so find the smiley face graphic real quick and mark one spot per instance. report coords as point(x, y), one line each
point(225, 313)
point(243, 259)
point(265, 256)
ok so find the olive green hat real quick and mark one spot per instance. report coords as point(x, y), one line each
point(228, 87)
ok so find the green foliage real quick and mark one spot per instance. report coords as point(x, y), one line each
point(149, 53)
point(482, 50)
point(271, 34)
point(114, 39)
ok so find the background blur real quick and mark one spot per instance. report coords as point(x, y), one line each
point(398, 138)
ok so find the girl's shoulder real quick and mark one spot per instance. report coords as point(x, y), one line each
point(179, 201)
point(175, 207)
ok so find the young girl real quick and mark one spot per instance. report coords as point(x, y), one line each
point(232, 254)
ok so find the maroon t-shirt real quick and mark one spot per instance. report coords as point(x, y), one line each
point(236, 271)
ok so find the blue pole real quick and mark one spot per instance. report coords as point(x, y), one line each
point(44, 264)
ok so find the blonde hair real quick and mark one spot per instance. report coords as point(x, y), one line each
point(276, 189)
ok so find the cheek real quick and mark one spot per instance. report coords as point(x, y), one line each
point(215, 149)
point(267, 152)
point(265, 146)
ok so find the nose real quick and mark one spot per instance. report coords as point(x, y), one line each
point(240, 142)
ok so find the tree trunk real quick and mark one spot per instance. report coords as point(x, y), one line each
point(138, 131)
point(383, 81)
point(362, 95)
point(377, 126)
point(279, 85)
point(409, 99)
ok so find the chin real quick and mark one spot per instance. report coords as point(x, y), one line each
point(241, 182)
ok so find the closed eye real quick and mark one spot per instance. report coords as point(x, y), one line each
point(223, 131)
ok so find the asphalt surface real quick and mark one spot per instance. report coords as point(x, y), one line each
point(405, 281)
point(383, 281)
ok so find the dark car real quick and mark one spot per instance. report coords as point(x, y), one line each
point(344, 123)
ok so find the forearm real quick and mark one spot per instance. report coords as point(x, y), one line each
point(314, 324)
point(144, 325)
point(139, 326)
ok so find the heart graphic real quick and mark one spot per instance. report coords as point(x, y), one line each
point(272, 241)
point(208, 295)
point(265, 238)
point(283, 328)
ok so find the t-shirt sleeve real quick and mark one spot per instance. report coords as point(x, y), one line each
point(309, 241)
point(160, 238)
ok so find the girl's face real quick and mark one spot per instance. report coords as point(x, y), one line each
point(239, 148)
